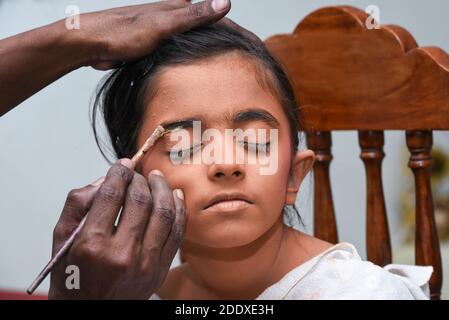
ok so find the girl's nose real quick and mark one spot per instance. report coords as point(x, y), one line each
point(233, 172)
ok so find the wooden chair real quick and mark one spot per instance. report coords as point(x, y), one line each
point(349, 77)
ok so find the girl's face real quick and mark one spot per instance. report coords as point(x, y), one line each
point(224, 92)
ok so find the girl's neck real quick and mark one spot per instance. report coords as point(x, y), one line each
point(245, 272)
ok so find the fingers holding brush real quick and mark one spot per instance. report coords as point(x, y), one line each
point(127, 260)
point(163, 213)
point(136, 211)
point(109, 199)
point(164, 230)
point(111, 257)
point(75, 210)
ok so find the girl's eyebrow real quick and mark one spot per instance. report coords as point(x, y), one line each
point(255, 115)
point(247, 115)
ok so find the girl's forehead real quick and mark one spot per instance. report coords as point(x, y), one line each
point(216, 89)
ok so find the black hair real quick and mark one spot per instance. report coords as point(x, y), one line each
point(122, 96)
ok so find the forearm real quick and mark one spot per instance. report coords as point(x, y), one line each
point(34, 59)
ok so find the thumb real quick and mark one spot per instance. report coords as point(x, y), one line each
point(198, 14)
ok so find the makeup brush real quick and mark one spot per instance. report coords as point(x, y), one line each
point(155, 136)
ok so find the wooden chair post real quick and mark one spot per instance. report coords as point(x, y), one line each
point(427, 246)
point(377, 233)
point(325, 225)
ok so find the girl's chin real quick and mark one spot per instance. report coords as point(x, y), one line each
point(222, 237)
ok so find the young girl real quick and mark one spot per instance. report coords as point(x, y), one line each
point(236, 244)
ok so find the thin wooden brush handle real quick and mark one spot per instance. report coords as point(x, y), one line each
point(156, 135)
point(55, 259)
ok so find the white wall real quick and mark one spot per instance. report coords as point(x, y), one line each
point(47, 147)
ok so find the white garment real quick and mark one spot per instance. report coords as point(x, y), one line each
point(340, 273)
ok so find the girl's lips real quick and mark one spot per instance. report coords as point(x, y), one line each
point(229, 205)
point(228, 202)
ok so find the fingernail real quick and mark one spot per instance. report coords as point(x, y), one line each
point(220, 5)
point(179, 194)
point(157, 173)
point(97, 182)
point(126, 162)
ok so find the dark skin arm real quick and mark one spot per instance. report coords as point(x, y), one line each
point(105, 39)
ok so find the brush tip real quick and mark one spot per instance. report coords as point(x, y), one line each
point(160, 130)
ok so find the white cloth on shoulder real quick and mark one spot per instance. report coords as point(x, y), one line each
point(340, 273)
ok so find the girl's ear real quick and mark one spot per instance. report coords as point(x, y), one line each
point(302, 163)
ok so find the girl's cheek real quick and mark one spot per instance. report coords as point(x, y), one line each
point(189, 178)
point(157, 161)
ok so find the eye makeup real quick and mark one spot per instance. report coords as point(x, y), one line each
point(255, 147)
point(179, 154)
point(253, 119)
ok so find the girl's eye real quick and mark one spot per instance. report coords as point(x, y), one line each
point(255, 147)
point(182, 154)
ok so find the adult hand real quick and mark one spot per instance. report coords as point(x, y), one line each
point(127, 33)
point(34, 59)
point(129, 260)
